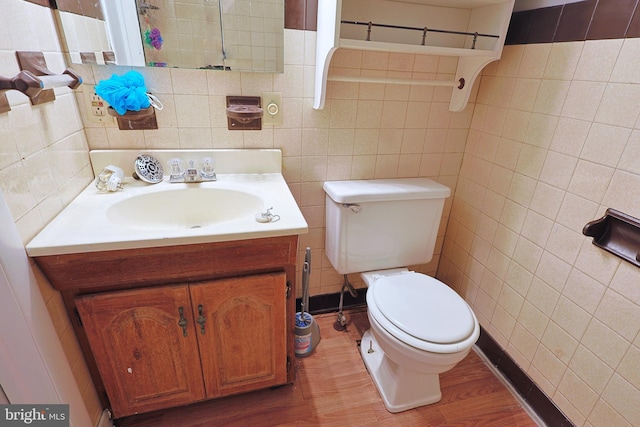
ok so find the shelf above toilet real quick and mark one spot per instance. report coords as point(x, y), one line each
point(473, 31)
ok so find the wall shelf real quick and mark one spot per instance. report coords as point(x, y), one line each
point(618, 233)
point(472, 30)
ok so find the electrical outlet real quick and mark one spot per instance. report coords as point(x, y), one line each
point(96, 107)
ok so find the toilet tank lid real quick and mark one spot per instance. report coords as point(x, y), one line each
point(375, 190)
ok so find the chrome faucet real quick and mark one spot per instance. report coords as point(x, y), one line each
point(192, 174)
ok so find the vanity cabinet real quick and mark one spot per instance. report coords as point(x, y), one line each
point(143, 358)
point(168, 326)
point(173, 345)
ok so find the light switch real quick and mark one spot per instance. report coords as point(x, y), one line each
point(272, 106)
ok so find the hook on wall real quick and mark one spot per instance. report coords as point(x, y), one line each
point(35, 80)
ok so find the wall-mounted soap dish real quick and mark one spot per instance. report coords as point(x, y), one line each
point(244, 113)
point(618, 233)
point(143, 119)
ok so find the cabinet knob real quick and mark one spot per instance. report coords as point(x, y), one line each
point(183, 321)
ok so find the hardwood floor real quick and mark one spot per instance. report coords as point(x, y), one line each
point(333, 388)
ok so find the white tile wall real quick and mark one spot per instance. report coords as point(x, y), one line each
point(44, 159)
point(566, 311)
point(551, 142)
point(365, 131)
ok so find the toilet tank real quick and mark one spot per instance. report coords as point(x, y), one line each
point(382, 223)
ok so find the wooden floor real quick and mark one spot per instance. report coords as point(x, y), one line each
point(332, 388)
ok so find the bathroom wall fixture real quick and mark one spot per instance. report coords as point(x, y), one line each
point(618, 233)
point(36, 80)
point(144, 119)
point(244, 112)
point(471, 31)
point(191, 174)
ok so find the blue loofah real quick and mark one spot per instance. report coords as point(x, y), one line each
point(124, 93)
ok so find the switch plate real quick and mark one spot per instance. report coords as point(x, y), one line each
point(95, 106)
point(272, 106)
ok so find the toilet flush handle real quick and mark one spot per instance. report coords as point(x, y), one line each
point(355, 208)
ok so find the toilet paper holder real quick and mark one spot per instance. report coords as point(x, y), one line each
point(617, 233)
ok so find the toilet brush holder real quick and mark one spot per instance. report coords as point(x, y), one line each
point(306, 335)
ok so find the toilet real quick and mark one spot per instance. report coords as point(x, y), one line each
point(419, 327)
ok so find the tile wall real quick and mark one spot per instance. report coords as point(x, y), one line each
point(85, 37)
point(364, 131)
point(253, 34)
point(88, 8)
point(190, 31)
point(551, 142)
point(44, 159)
point(577, 21)
point(554, 141)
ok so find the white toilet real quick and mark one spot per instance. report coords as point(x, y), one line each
point(419, 326)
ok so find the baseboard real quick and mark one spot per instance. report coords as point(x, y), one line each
point(327, 303)
point(526, 388)
point(537, 400)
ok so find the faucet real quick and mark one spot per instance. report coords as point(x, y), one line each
point(192, 174)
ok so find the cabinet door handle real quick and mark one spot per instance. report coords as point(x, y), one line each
point(183, 321)
point(201, 319)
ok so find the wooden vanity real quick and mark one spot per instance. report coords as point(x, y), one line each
point(168, 326)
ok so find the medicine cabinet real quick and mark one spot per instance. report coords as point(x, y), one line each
point(474, 31)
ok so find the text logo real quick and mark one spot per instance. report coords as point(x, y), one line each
point(34, 415)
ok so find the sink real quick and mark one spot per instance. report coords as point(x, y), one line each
point(143, 215)
point(184, 208)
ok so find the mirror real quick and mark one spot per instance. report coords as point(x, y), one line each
point(238, 35)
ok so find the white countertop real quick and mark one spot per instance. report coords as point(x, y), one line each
point(84, 226)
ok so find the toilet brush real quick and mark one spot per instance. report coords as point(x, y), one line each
point(307, 332)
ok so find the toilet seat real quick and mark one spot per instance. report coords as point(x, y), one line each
point(422, 312)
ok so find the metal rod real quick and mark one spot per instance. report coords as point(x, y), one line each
point(386, 80)
point(403, 27)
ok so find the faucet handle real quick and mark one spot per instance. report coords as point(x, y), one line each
point(176, 169)
point(208, 171)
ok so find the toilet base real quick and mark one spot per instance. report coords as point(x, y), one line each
point(401, 389)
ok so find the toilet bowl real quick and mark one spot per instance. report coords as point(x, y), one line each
point(420, 328)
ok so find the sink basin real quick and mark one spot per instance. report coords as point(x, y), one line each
point(143, 215)
point(184, 208)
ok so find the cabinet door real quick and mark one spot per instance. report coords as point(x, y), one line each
point(146, 359)
point(243, 343)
